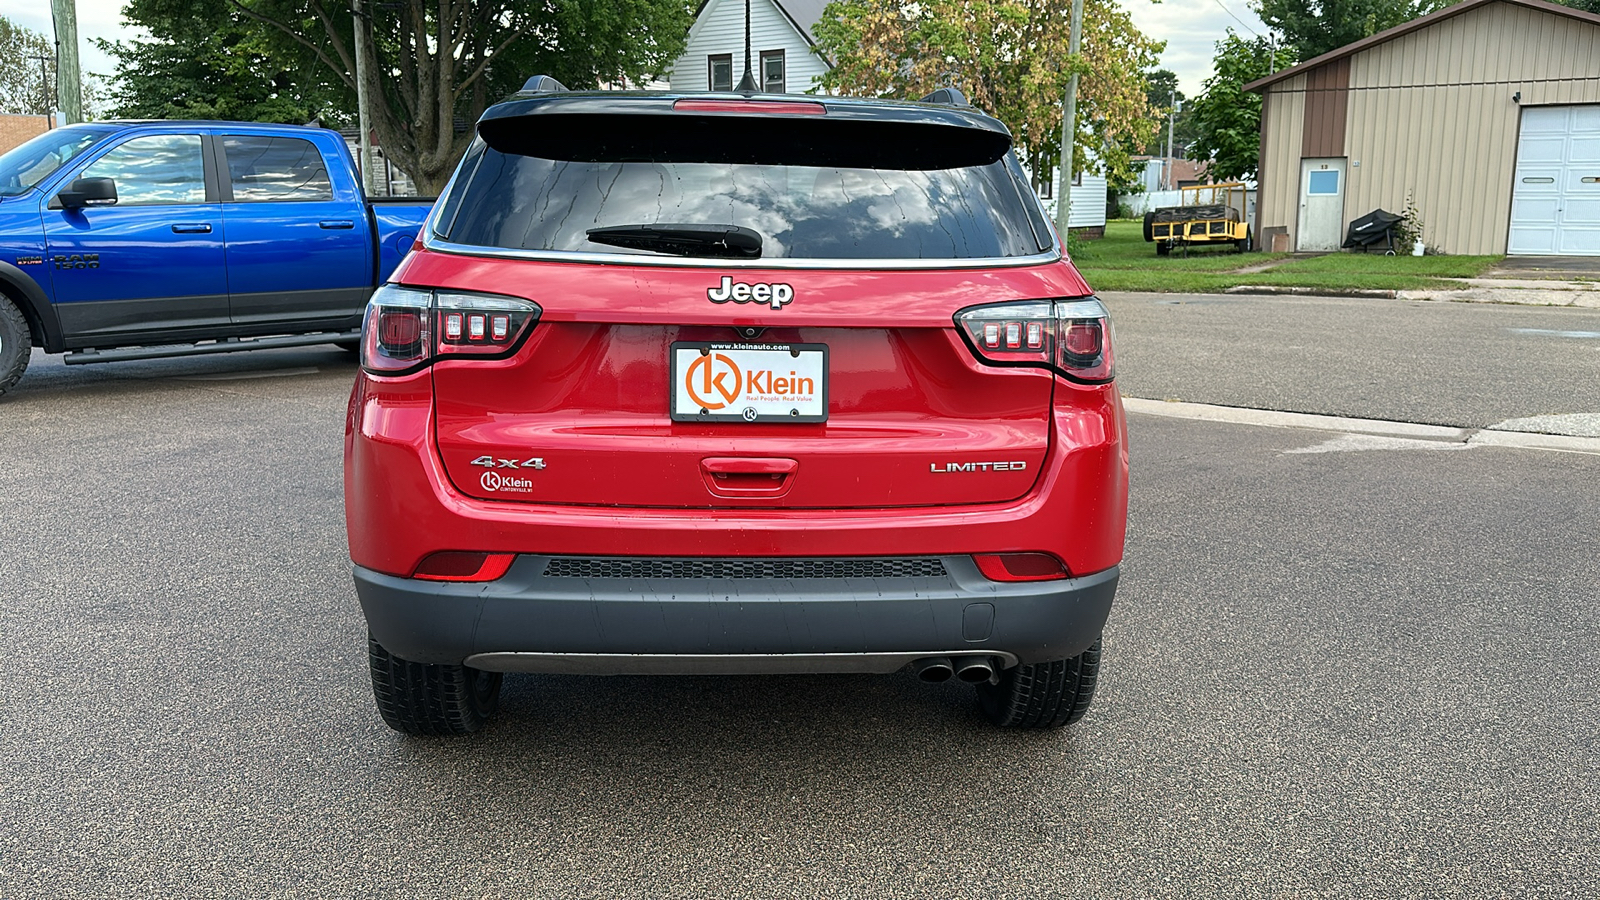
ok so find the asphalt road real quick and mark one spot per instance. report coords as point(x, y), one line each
point(1329, 674)
point(1462, 364)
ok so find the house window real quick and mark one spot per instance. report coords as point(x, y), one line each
point(720, 77)
point(1045, 185)
point(772, 74)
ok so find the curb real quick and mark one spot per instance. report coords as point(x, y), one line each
point(1488, 437)
point(1267, 290)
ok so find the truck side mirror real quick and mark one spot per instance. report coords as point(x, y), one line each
point(89, 192)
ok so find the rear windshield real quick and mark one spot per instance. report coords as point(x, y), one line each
point(800, 212)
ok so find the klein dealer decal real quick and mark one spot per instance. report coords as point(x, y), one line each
point(77, 261)
point(494, 482)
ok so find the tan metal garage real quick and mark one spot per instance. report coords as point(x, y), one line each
point(1435, 110)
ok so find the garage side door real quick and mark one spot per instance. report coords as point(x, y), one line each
point(1555, 206)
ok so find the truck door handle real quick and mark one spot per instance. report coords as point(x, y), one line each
point(336, 224)
point(192, 228)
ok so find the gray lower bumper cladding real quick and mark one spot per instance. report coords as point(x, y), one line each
point(534, 621)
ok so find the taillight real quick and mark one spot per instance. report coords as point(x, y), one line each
point(407, 329)
point(1020, 566)
point(481, 325)
point(457, 565)
point(1072, 337)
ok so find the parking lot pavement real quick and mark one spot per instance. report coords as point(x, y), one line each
point(1329, 674)
point(1460, 364)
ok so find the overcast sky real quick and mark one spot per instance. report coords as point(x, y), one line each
point(1191, 28)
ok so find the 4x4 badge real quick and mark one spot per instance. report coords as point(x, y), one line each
point(489, 462)
point(775, 295)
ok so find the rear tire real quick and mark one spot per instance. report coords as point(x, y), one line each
point(1043, 695)
point(423, 699)
point(16, 344)
point(1149, 226)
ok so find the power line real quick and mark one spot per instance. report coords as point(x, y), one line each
point(1236, 18)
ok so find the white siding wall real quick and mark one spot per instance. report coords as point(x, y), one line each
point(720, 29)
point(1088, 201)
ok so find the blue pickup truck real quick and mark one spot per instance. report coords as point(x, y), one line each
point(134, 240)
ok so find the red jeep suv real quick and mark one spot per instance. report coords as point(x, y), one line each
point(735, 384)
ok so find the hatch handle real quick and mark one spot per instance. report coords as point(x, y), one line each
point(748, 476)
point(749, 465)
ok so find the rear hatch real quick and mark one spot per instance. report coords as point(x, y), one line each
point(761, 320)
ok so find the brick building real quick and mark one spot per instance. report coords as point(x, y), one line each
point(15, 130)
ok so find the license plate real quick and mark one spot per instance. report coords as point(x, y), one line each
point(714, 382)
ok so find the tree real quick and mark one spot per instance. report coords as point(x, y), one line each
point(1162, 89)
point(24, 88)
point(205, 61)
point(432, 68)
point(1314, 27)
point(1585, 5)
point(1010, 58)
point(1226, 117)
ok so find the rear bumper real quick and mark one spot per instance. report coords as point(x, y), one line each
point(531, 621)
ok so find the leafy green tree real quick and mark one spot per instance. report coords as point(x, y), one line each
point(1585, 5)
point(1010, 58)
point(1226, 117)
point(432, 68)
point(204, 60)
point(24, 89)
point(1314, 27)
point(1162, 91)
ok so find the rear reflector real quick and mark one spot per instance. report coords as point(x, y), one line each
point(1020, 566)
point(758, 107)
point(456, 565)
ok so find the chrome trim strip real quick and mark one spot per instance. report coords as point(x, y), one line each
point(433, 243)
point(716, 663)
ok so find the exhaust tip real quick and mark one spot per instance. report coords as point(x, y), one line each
point(934, 669)
point(974, 669)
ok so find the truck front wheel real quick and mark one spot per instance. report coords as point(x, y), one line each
point(1043, 695)
point(16, 344)
point(423, 699)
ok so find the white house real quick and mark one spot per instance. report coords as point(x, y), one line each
point(780, 47)
point(784, 61)
point(1088, 210)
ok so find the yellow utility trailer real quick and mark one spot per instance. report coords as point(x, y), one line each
point(1209, 214)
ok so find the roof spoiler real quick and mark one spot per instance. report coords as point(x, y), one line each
point(948, 96)
point(542, 84)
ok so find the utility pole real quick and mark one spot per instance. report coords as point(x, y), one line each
point(69, 91)
point(1069, 125)
point(44, 86)
point(365, 145)
point(1172, 114)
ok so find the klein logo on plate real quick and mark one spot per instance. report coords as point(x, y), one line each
point(494, 482)
point(750, 383)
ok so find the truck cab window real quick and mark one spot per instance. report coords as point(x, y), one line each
point(157, 169)
point(262, 167)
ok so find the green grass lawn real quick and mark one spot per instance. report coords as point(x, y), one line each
point(1122, 261)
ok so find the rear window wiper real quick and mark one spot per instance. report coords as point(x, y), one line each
point(683, 240)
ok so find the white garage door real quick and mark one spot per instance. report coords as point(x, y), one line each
point(1555, 205)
